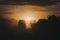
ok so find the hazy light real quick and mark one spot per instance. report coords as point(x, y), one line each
point(27, 13)
point(28, 18)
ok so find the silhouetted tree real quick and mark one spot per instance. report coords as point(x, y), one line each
point(21, 25)
point(47, 29)
point(39, 29)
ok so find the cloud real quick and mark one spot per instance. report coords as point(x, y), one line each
point(52, 6)
point(4, 9)
point(33, 2)
point(55, 9)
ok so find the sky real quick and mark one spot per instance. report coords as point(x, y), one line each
point(38, 9)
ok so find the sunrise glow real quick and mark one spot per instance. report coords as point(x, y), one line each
point(28, 13)
point(28, 18)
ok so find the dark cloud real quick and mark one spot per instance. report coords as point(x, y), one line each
point(4, 9)
point(33, 2)
point(55, 9)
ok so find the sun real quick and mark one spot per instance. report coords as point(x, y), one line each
point(28, 18)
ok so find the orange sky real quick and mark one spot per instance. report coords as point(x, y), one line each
point(19, 12)
point(22, 11)
point(37, 12)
